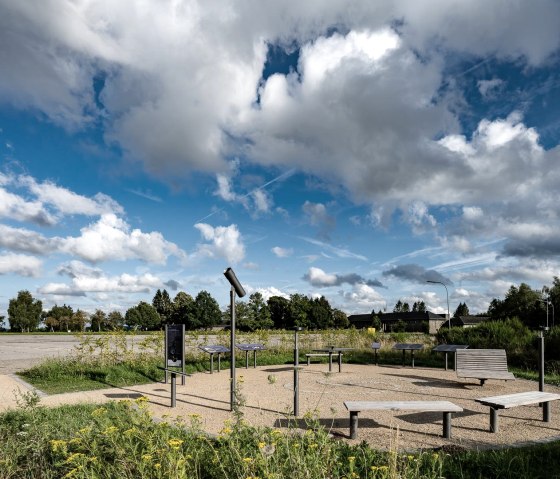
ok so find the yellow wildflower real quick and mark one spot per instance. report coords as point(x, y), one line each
point(175, 443)
point(248, 460)
point(99, 412)
point(147, 457)
point(157, 465)
point(58, 445)
point(76, 456)
point(110, 430)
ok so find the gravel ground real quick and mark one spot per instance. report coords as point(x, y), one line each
point(269, 398)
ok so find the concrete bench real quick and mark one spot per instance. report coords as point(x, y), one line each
point(508, 401)
point(445, 407)
point(482, 364)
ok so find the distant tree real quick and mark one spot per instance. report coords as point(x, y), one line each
point(406, 308)
point(99, 320)
point(319, 314)
point(78, 321)
point(376, 322)
point(207, 310)
point(419, 307)
point(115, 320)
point(58, 318)
point(279, 308)
point(164, 306)
point(462, 310)
point(24, 312)
point(522, 302)
point(257, 315)
point(340, 319)
point(183, 310)
point(299, 310)
point(143, 316)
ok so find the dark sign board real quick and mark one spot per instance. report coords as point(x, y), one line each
point(175, 345)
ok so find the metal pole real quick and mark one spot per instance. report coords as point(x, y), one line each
point(541, 361)
point(296, 373)
point(173, 388)
point(232, 350)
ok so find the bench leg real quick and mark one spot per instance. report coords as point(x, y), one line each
point(493, 420)
point(308, 360)
point(353, 424)
point(546, 411)
point(447, 425)
point(482, 381)
point(339, 362)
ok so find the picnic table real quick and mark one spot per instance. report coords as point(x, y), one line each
point(330, 350)
point(250, 347)
point(404, 347)
point(449, 348)
point(212, 349)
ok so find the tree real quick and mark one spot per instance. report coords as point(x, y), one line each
point(98, 320)
point(143, 316)
point(115, 320)
point(462, 310)
point(24, 313)
point(279, 308)
point(340, 319)
point(256, 316)
point(58, 318)
point(319, 315)
point(419, 307)
point(78, 321)
point(163, 305)
point(522, 302)
point(206, 310)
point(299, 309)
point(183, 310)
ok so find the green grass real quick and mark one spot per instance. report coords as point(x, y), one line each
point(119, 439)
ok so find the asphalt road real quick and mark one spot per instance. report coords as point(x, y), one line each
point(21, 351)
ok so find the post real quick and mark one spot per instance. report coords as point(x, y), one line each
point(232, 400)
point(447, 425)
point(541, 361)
point(173, 388)
point(296, 372)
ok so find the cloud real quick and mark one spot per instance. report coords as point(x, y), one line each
point(83, 284)
point(282, 252)
point(110, 238)
point(339, 252)
point(416, 273)
point(319, 278)
point(15, 207)
point(224, 242)
point(20, 239)
point(267, 293)
point(487, 88)
point(172, 284)
point(20, 264)
point(362, 298)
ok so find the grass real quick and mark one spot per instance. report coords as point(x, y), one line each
point(120, 439)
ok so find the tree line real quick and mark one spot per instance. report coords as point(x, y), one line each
point(534, 308)
point(26, 314)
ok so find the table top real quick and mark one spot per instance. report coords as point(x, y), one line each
point(251, 346)
point(332, 349)
point(217, 348)
point(409, 346)
point(449, 348)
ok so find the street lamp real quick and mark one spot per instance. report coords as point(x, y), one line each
point(447, 296)
point(235, 288)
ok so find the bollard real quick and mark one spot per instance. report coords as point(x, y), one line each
point(173, 388)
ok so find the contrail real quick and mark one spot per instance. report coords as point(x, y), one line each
point(268, 183)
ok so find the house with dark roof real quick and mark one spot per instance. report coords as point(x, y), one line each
point(468, 321)
point(414, 321)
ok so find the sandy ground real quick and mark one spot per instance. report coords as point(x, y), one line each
point(269, 401)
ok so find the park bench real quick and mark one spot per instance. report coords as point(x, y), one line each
point(508, 401)
point(482, 364)
point(446, 407)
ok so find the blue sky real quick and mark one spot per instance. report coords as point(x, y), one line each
point(348, 149)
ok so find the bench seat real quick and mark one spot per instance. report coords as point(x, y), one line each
point(312, 355)
point(508, 401)
point(446, 407)
point(482, 364)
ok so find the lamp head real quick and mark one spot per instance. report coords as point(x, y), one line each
point(230, 275)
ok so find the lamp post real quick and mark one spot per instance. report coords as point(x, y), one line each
point(235, 288)
point(447, 296)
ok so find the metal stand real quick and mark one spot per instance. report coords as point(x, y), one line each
point(296, 372)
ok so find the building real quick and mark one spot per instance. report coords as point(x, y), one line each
point(414, 321)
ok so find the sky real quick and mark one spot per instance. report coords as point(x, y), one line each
point(347, 149)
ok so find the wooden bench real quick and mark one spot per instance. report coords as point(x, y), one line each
point(508, 401)
point(445, 407)
point(482, 364)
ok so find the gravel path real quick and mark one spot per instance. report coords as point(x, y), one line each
point(268, 393)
